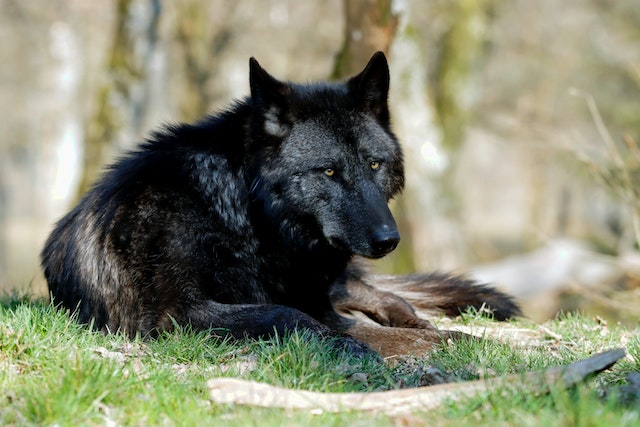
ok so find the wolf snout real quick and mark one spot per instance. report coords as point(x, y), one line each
point(385, 240)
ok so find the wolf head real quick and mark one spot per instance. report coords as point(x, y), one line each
point(324, 159)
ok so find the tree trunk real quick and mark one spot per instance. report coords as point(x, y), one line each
point(122, 100)
point(370, 27)
point(432, 129)
point(199, 44)
point(460, 49)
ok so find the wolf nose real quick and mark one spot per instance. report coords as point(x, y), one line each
point(384, 241)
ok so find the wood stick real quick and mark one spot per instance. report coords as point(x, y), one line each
point(395, 402)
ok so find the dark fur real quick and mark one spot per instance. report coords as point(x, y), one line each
point(234, 223)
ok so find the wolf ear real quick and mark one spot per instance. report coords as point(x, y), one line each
point(269, 95)
point(371, 86)
point(266, 90)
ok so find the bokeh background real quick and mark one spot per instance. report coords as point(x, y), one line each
point(519, 119)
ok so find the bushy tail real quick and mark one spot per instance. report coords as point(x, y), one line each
point(448, 294)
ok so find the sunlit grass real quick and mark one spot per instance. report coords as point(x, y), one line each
point(56, 372)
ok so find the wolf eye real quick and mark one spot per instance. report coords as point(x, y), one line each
point(329, 171)
point(374, 164)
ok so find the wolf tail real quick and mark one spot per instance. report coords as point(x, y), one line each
point(447, 293)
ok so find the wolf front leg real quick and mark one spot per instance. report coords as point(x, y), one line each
point(385, 308)
point(242, 321)
point(394, 341)
point(350, 293)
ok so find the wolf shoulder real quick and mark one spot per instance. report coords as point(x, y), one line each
point(191, 171)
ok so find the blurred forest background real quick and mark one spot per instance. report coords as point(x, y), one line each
point(519, 119)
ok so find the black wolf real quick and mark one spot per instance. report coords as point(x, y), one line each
point(252, 221)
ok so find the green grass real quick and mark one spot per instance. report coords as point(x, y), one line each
point(56, 372)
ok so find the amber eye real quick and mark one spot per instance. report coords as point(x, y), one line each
point(329, 171)
point(375, 165)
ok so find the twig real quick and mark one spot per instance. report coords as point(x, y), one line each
point(395, 402)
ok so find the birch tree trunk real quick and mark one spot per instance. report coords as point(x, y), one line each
point(431, 123)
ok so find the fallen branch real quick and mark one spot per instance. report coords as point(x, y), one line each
point(394, 402)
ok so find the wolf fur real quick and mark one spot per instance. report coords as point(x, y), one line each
point(254, 221)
